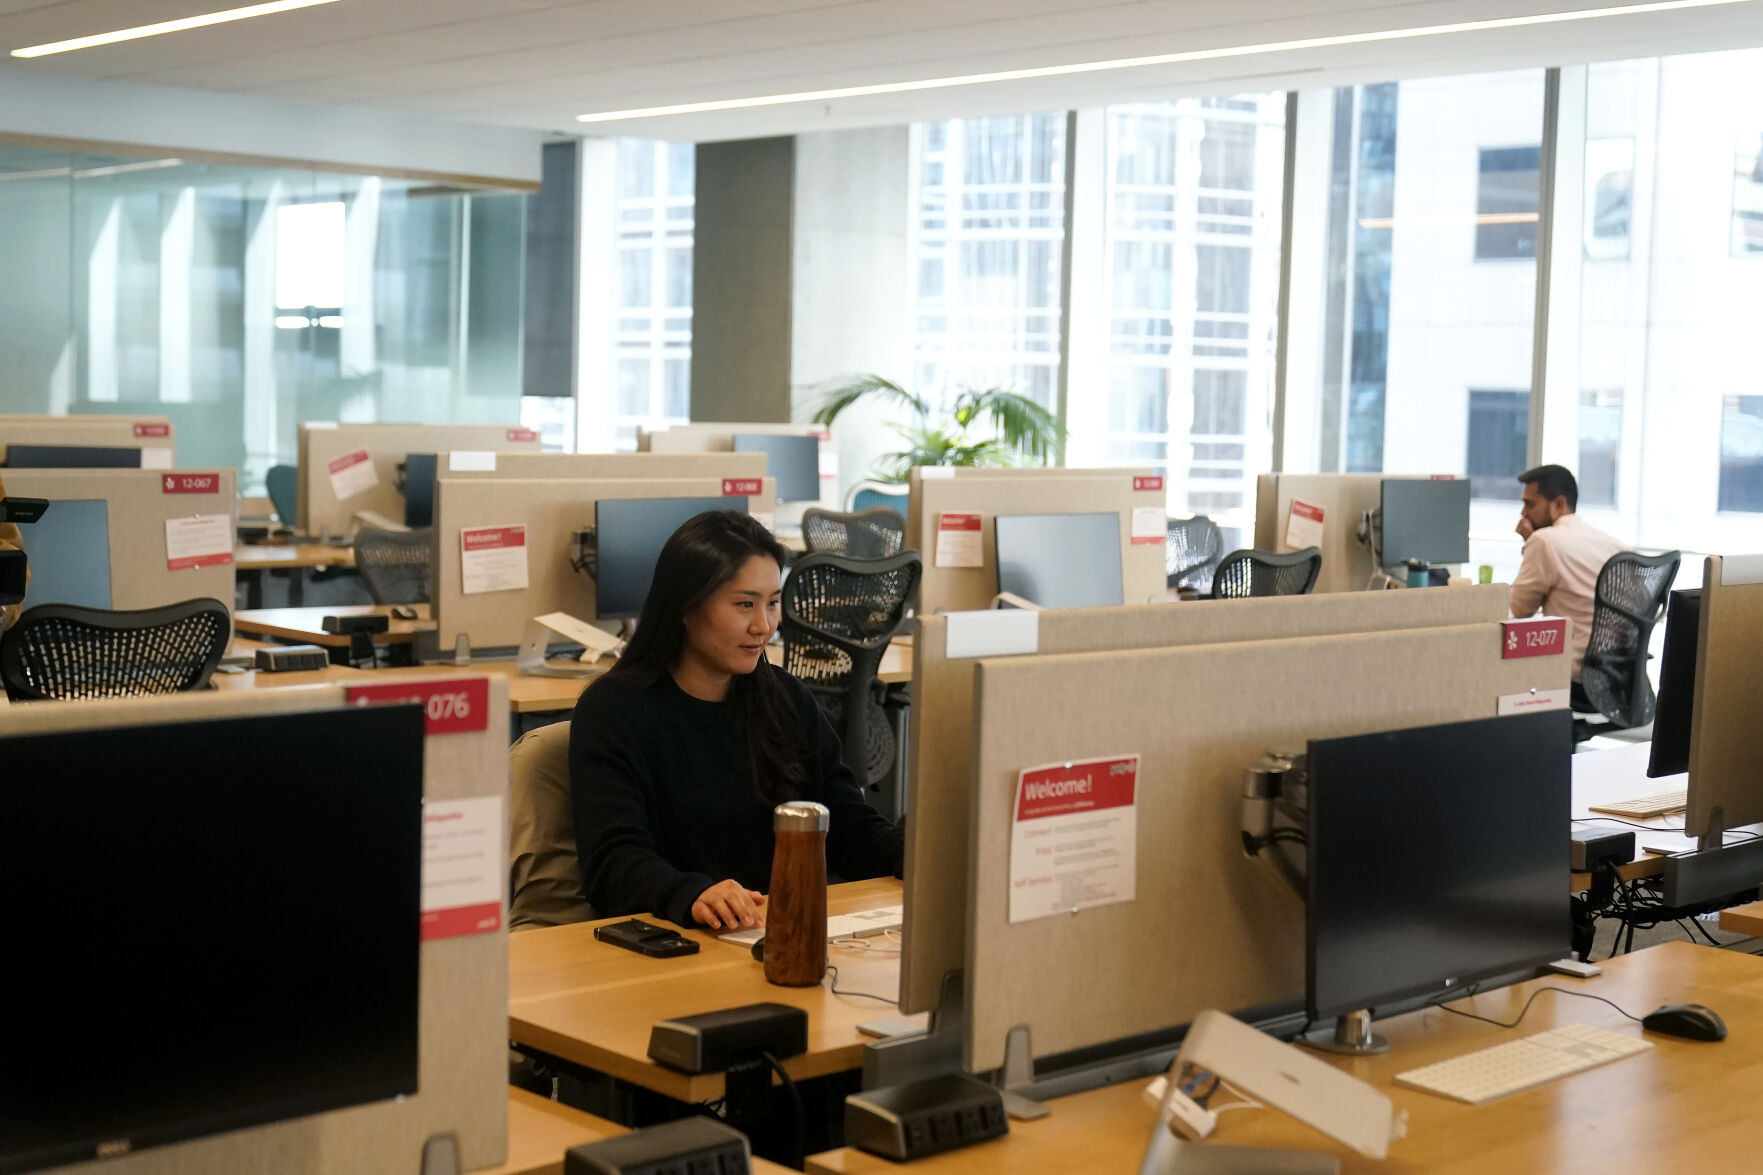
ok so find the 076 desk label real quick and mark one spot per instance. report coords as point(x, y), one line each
point(449, 706)
point(1544, 636)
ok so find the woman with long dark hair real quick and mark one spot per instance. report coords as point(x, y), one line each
point(678, 755)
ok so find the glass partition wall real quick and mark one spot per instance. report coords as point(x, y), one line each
point(239, 301)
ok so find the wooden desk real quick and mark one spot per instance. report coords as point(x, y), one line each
point(257, 679)
point(304, 625)
point(540, 1130)
point(1682, 1106)
point(1745, 919)
point(255, 562)
point(895, 667)
point(526, 694)
point(593, 1003)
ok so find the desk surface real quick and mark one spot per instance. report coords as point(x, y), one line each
point(1745, 919)
point(1600, 777)
point(1681, 1106)
point(268, 555)
point(305, 625)
point(593, 1003)
point(257, 679)
point(540, 1130)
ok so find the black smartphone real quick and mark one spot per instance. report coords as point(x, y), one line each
point(646, 939)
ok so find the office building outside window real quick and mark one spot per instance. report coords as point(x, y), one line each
point(652, 341)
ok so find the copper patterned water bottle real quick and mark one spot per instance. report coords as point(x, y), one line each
point(795, 913)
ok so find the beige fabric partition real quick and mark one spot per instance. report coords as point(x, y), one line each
point(318, 507)
point(1729, 688)
point(154, 435)
point(464, 1002)
point(552, 510)
point(603, 465)
point(1207, 928)
point(1025, 491)
point(1347, 563)
point(719, 437)
point(139, 507)
point(940, 776)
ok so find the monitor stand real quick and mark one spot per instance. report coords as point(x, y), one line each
point(1352, 1036)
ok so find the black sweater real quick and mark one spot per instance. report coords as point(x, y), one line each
point(662, 812)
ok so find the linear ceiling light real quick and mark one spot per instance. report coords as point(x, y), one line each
point(1048, 71)
point(168, 26)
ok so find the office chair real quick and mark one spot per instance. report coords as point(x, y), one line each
point(1629, 601)
point(544, 869)
point(395, 565)
point(874, 533)
point(280, 484)
point(838, 616)
point(1244, 574)
point(62, 652)
point(1191, 553)
point(867, 495)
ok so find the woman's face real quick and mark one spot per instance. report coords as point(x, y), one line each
point(727, 632)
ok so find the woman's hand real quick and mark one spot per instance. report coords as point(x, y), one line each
point(729, 904)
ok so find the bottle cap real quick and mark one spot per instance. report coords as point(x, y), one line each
point(800, 816)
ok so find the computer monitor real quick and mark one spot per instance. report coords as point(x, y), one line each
point(1425, 520)
point(1060, 560)
point(1724, 789)
point(1436, 857)
point(794, 462)
point(1670, 754)
point(628, 536)
point(188, 956)
point(419, 489)
point(69, 550)
point(71, 457)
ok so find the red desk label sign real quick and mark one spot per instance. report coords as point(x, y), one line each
point(152, 430)
point(1147, 483)
point(740, 487)
point(522, 436)
point(191, 483)
point(450, 706)
point(1077, 787)
point(1543, 636)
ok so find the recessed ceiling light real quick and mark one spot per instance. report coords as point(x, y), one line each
point(1048, 71)
point(167, 26)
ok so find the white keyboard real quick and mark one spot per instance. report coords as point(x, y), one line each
point(864, 925)
point(1520, 1064)
point(1667, 803)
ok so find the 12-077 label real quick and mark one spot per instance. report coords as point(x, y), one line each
point(1541, 636)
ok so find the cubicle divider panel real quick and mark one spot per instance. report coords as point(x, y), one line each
point(705, 436)
point(552, 510)
point(462, 1076)
point(1206, 927)
point(1033, 491)
point(1347, 563)
point(155, 436)
point(139, 503)
point(576, 466)
point(941, 772)
point(329, 499)
point(1729, 685)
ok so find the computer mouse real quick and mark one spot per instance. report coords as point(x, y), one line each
point(758, 949)
point(1690, 1021)
point(404, 612)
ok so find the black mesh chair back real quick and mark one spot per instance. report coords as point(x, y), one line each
point(874, 533)
point(395, 565)
point(64, 652)
point(279, 484)
point(1191, 552)
point(1630, 600)
point(1245, 574)
point(838, 616)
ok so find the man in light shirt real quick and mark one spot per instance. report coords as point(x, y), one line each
point(1563, 555)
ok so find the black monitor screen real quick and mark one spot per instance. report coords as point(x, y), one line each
point(1060, 560)
point(1437, 856)
point(793, 461)
point(192, 950)
point(1425, 519)
point(71, 457)
point(628, 536)
point(1677, 685)
point(419, 489)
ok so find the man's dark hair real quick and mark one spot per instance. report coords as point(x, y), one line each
point(1553, 481)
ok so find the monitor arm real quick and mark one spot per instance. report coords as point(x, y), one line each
point(1276, 818)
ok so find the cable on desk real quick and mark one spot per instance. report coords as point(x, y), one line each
point(799, 1151)
point(1525, 1011)
point(1657, 827)
point(859, 994)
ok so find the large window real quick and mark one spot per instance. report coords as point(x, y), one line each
point(991, 225)
point(653, 338)
point(240, 301)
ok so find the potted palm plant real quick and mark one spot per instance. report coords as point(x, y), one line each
point(991, 426)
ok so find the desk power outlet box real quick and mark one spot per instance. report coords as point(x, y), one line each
point(713, 1041)
point(343, 625)
point(919, 1118)
point(690, 1146)
point(1593, 846)
point(289, 658)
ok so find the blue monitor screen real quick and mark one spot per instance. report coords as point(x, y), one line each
point(793, 461)
point(69, 553)
point(1061, 560)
